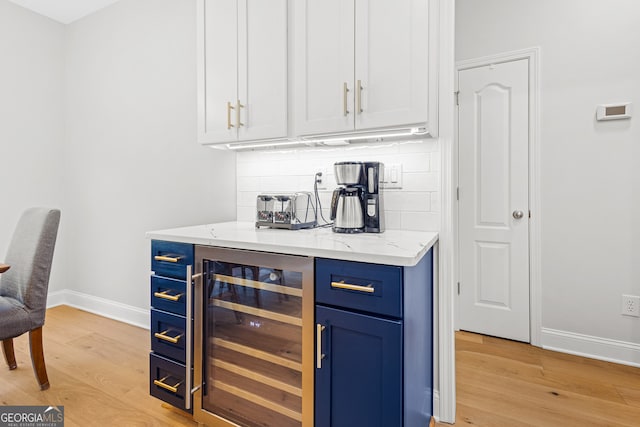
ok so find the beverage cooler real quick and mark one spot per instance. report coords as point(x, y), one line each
point(253, 339)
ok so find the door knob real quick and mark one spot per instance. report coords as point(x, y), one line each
point(518, 214)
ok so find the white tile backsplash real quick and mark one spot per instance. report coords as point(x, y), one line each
point(414, 207)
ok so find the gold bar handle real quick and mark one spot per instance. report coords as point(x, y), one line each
point(229, 108)
point(165, 295)
point(319, 354)
point(345, 91)
point(163, 336)
point(162, 384)
point(341, 285)
point(167, 258)
point(238, 107)
point(359, 97)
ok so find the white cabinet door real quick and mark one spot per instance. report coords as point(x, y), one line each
point(392, 65)
point(361, 64)
point(324, 66)
point(262, 69)
point(217, 70)
point(242, 70)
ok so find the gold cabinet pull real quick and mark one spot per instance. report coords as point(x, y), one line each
point(165, 295)
point(345, 92)
point(167, 258)
point(238, 107)
point(162, 384)
point(359, 97)
point(163, 336)
point(341, 285)
point(229, 108)
point(319, 354)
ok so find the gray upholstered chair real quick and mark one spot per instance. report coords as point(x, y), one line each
point(23, 285)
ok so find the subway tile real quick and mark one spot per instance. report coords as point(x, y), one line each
point(420, 221)
point(407, 201)
point(415, 207)
point(392, 220)
point(246, 213)
point(427, 181)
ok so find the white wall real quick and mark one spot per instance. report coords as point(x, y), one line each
point(31, 119)
point(414, 207)
point(132, 163)
point(590, 179)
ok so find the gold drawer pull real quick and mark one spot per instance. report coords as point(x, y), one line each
point(162, 384)
point(165, 295)
point(341, 285)
point(229, 108)
point(238, 107)
point(163, 336)
point(167, 258)
point(345, 91)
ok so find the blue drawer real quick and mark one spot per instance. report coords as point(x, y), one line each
point(371, 288)
point(171, 259)
point(167, 380)
point(169, 295)
point(168, 335)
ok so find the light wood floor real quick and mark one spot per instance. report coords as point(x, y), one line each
point(505, 383)
point(98, 369)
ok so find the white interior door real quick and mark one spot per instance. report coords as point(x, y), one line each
point(493, 134)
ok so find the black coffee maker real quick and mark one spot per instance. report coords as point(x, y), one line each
point(357, 206)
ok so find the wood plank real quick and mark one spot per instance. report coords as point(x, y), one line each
point(270, 357)
point(280, 289)
point(272, 315)
point(98, 370)
point(506, 383)
point(258, 400)
point(264, 379)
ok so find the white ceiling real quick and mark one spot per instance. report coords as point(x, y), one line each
point(64, 11)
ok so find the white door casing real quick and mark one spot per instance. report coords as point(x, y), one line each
point(493, 168)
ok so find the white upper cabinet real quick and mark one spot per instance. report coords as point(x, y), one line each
point(362, 65)
point(242, 70)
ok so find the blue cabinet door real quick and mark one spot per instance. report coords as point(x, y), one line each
point(359, 382)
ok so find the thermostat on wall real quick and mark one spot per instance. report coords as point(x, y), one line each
point(614, 111)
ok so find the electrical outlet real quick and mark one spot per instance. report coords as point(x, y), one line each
point(631, 305)
point(392, 176)
point(322, 179)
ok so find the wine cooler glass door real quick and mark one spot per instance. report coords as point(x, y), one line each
point(252, 338)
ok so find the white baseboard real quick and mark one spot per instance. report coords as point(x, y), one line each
point(101, 306)
point(622, 352)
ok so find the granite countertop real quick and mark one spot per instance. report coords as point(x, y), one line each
point(393, 247)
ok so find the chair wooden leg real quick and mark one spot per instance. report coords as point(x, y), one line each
point(37, 357)
point(9, 355)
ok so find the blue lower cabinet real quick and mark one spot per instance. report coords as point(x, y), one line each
point(359, 381)
point(167, 380)
point(168, 335)
point(167, 360)
point(374, 344)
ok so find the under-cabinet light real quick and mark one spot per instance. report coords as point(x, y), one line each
point(345, 139)
point(243, 146)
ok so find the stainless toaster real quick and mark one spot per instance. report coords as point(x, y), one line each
point(290, 211)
